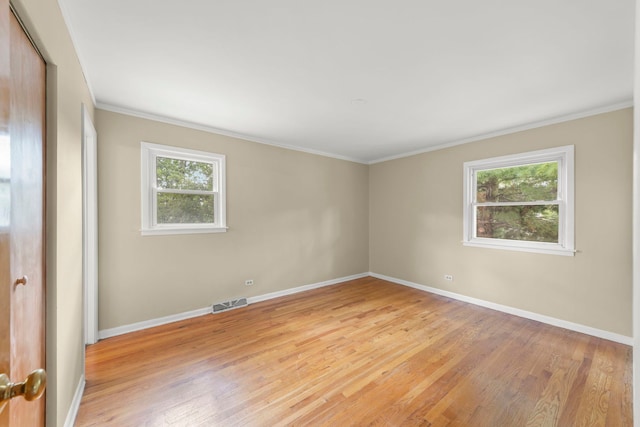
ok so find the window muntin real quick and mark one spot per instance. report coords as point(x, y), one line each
point(521, 202)
point(183, 190)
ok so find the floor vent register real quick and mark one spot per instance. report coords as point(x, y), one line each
point(229, 305)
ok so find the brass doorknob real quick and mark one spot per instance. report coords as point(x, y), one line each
point(31, 388)
point(22, 281)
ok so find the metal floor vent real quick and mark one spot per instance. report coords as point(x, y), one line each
point(229, 305)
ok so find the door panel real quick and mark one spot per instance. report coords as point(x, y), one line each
point(27, 220)
point(22, 279)
point(5, 307)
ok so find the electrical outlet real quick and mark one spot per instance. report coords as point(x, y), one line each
point(448, 277)
point(249, 282)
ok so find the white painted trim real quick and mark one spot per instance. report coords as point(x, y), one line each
point(514, 311)
point(507, 131)
point(211, 129)
point(90, 227)
point(292, 291)
point(120, 330)
point(440, 146)
point(75, 404)
point(107, 333)
point(182, 230)
point(508, 246)
point(138, 326)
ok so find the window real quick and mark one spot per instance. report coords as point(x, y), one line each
point(183, 191)
point(521, 202)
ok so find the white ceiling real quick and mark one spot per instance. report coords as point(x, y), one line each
point(358, 79)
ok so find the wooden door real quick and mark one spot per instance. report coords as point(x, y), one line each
point(22, 279)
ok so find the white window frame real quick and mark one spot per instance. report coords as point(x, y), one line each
point(566, 234)
point(148, 154)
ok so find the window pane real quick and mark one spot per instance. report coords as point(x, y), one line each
point(185, 208)
point(176, 174)
point(528, 183)
point(529, 223)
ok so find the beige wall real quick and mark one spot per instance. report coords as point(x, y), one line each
point(416, 226)
point(66, 92)
point(294, 219)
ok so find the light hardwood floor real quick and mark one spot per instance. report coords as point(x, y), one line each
point(365, 352)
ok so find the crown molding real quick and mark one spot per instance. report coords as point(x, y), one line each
point(510, 130)
point(436, 147)
point(211, 129)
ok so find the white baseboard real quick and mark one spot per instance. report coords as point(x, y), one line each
point(112, 332)
point(292, 291)
point(514, 311)
point(75, 404)
point(106, 333)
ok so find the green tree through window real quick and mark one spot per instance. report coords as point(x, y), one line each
point(504, 189)
point(176, 207)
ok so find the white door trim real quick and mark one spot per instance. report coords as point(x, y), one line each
point(90, 227)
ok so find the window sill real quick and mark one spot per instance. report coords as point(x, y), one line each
point(552, 249)
point(185, 230)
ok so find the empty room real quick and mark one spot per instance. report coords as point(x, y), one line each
point(319, 213)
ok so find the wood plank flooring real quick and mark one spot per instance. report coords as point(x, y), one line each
point(365, 352)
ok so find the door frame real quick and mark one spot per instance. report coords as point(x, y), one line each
point(90, 227)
